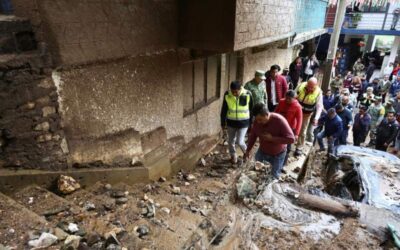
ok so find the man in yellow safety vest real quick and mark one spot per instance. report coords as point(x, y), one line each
point(235, 114)
point(309, 95)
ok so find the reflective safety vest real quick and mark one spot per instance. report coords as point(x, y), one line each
point(308, 101)
point(238, 107)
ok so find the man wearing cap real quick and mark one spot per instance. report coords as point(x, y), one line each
point(362, 121)
point(276, 87)
point(235, 114)
point(384, 86)
point(309, 95)
point(377, 113)
point(333, 127)
point(347, 121)
point(290, 108)
point(257, 87)
point(389, 107)
point(336, 84)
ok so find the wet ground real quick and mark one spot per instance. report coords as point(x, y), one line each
point(197, 210)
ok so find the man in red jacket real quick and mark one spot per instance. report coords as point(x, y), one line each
point(274, 133)
point(276, 87)
point(290, 108)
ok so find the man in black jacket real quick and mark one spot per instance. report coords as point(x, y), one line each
point(386, 132)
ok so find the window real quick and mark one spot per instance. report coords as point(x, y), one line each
point(201, 83)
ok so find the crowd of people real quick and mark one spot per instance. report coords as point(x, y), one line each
point(283, 111)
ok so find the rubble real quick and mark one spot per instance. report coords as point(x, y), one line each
point(45, 240)
point(67, 184)
point(175, 190)
point(245, 187)
point(73, 228)
point(72, 242)
point(142, 230)
point(60, 234)
point(190, 177)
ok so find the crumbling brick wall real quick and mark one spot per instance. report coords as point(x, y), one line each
point(262, 21)
point(80, 32)
point(31, 134)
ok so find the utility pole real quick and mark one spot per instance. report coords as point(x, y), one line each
point(337, 26)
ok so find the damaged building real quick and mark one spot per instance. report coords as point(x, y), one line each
point(131, 85)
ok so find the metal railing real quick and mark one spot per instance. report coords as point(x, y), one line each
point(374, 19)
point(310, 15)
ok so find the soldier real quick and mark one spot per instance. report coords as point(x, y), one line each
point(377, 113)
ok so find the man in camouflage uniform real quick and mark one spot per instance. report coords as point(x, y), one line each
point(377, 113)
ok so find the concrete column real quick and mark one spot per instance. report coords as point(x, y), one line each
point(370, 45)
point(394, 49)
point(337, 27)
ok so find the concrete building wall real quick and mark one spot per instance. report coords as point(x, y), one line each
point(263, 58)
point(80, 32)
point(141, 94)
point(262, 21)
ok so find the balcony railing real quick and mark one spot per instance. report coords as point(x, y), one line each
point(378, 20)
point(310, 15)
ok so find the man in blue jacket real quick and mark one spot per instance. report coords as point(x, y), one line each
point(395, 87)
point(333, 127)
point(347, 121)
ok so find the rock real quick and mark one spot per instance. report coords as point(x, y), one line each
point(32, 235)
point(99, 246)
point(394, 170)
point(187, 184)
point(151, 211)
point(89, 206)
point(165, 210)
point(225, 143)
point(121, 200)
point(188, 199)
point(118, 194)
point(363, 226)
point(44, 126)
point(45, 240)
point(145, 197)
point(113, 247)
point(60, 234)
point(67, 184)
point(252, 175)
point(72, 242)
point(111, 238)
point(190, 177)
point(162, 179)
point(246, 187)
point(73, 228)
point(203, 162)
point(48, 110)
point(108, 186)
point(11, 231)
point(176, 190)
point(93, 238)
point(30, 200)
point(142, 230)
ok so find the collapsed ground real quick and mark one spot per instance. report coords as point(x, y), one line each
point(197, 210)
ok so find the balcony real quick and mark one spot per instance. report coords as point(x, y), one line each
point(309, 20)
point(378, 22)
